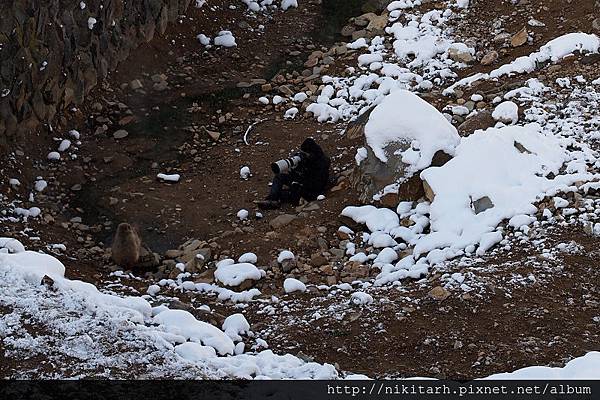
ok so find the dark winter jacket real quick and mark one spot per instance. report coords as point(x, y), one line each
point(313, 172)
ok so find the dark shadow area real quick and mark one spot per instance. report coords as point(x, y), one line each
point(335, 15)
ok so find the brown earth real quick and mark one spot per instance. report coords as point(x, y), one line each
point(502, 328)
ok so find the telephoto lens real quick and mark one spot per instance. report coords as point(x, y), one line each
point(286, 165)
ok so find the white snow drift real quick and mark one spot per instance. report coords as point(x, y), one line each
point(172, 337)
point(510, 166)
point(508, 169)
point(586, 367)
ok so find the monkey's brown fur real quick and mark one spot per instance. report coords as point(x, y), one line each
point(126, 246)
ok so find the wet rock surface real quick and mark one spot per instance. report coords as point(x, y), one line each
point(54, 53)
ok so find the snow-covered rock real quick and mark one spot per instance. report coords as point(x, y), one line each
point(376, 219)
point(386, 256)
point(236, 325)
point(300, 97)
point(291, 113)
point(460, 52)
point(559, 202)
point(11, 245)
point(285, 255)
point(402, 4)
point(181, 322)
point(248, 258)
point(243, 214)
point(506, 112)
point(40, 185)
point(203, 39)
point(509, 166)
point(291, 285)
point(195, 352)
point(285, 4)
point(235, 274)
point(225, 39)
point(64, 145)
point(74, 134)
point(153, 290)
point(360, 298)
point(403, 135)
point(245, 172)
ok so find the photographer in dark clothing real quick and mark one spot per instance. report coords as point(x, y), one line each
point(304, 175)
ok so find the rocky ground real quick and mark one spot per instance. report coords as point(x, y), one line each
point(176, 108)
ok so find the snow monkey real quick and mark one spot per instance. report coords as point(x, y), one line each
point(126, 246)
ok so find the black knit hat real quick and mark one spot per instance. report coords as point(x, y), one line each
point(309, 146)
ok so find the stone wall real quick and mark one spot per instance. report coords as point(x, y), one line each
point(52, 54)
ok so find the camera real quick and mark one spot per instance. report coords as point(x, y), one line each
point(287, 164)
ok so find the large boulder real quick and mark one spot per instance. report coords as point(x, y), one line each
point(402, 136)
point(375, 6)
point(482, 120)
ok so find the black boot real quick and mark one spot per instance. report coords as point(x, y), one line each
point(268, 204)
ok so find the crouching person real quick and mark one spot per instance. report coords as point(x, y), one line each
point(304, 175)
